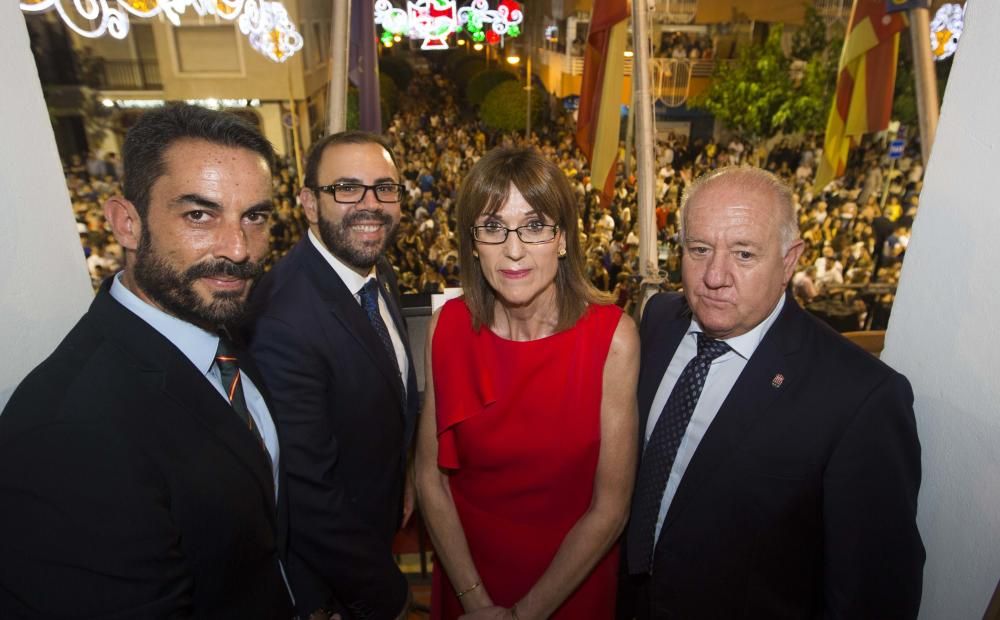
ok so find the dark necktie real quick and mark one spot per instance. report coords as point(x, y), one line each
point(229, 370)
point(661, 449)
point(369, 301)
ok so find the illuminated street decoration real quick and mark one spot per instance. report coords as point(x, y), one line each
point(433, 21)
point(504, 21)
point(111, 17)
point(276, 37)
point(393, 21)
point(946, 29)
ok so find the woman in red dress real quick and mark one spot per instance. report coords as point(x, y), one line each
point(527, 443)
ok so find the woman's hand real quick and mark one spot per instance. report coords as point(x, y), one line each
point(490, 613)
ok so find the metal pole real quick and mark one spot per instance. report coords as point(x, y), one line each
point(296, 144)
point(340, 39)
point(885, 186)
point(527, 120)
point(630, 132)
point(926, 80)
point(644, 130)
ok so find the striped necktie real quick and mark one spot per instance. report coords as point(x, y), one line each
point(229, 371)
point(661, 449)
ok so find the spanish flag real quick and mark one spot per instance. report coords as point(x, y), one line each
point(867, 75)
point(599, 117)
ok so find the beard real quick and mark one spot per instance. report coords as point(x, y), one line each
point(361, 255)
point(173, 290)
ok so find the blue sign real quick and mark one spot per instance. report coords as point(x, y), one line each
point(896, 149)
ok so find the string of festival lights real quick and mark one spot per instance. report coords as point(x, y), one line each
point(264, 23)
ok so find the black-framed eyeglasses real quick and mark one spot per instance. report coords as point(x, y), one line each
point(495, 234)
point(351, 193)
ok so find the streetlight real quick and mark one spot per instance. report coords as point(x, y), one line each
point(514, 60)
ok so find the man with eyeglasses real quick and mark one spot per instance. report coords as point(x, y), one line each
point(330, 341)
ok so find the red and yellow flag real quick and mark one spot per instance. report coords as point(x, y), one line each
point(867, 75)
point(599, 117)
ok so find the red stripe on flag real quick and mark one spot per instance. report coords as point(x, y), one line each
point(880, 82)
point(605, 14)
point(845, 88)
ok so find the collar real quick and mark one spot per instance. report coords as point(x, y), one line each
point(745, 344)
point(197, 344)
point(348, 276)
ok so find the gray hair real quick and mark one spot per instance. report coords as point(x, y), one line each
point(749, 179)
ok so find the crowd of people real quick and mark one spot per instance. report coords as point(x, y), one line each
point(683, 45)
point(852, 240)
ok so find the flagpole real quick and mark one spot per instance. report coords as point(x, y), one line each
point(926, 80)
point(339, 43)
point(644, 131)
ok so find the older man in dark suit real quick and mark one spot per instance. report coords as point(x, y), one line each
point(780, 463)
point(139, 466)
point(330, 340)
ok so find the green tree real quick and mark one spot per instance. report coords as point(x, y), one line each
point(747, 93)
point(811, 38)
point(482, 83)
point(505, 107)
point(764, 92)
point(389, 97)
point(396, 68)
point(465, 69)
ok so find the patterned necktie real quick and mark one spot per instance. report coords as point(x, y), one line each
point(661, 449)
point(229, 371)
point(369, 301)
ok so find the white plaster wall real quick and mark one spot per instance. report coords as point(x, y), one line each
point(945, 332)
point(44, 286)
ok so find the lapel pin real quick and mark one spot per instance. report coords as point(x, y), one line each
point(777, 380)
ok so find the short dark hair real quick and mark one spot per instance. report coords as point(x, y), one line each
point(148, 140)
point(343, 137)
point(544, 186)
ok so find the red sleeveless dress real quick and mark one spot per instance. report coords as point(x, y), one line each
point(519, 429)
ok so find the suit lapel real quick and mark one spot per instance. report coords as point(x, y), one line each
point(165, 370)
point(658, 349)
point(345, 307)
point(750, 399)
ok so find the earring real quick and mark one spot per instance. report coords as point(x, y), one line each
point(562, 252)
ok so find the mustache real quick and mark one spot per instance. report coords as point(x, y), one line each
point(225, 268)
point(357, 217)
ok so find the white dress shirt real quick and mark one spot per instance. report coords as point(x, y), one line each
point(722, 376)
point(200, 346)
point(355, 283)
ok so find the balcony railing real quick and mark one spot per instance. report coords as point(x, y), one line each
point(833, 9)
point(129, 75)
point(676, 11)
point(671, 78)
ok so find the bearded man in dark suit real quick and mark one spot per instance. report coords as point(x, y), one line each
point(139, 467)
point(780, 463)
point(330, 340)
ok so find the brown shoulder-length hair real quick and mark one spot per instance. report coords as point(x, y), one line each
point(544, 186)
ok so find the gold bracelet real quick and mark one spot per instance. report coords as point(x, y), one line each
point(474, 586)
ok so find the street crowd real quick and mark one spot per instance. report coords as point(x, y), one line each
point(856, 229)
